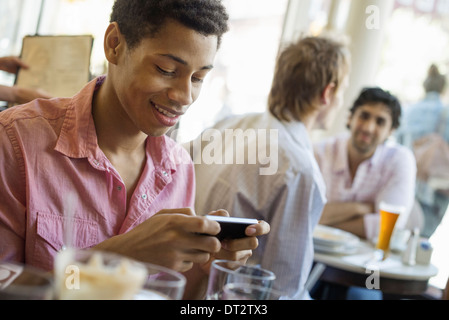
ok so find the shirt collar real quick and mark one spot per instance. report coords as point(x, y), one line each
point(378, 154)
point(78, 138)
point(165, 153)
point(295, 129)
point(341, 160)
point(341, 152)
point(432, 96)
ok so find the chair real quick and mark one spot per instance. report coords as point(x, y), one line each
point(416, 218)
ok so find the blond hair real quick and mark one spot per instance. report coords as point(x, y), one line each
point(303, 70)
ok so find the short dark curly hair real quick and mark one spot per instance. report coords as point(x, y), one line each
point(143, 18)
point(375, 95)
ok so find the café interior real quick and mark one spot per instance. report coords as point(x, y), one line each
point(392, 44)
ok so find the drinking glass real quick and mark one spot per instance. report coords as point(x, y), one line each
point(389, 214)
point(22, 282)
point(162, 284)
point(246, 291)
point(223, 272)
point(97, 275)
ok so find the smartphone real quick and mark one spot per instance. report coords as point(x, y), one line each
point(231, 227)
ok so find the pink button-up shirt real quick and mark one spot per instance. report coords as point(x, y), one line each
point(49, 149)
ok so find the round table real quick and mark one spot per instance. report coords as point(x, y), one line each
point(356, 269)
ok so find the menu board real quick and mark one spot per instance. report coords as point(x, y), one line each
point(58, 64)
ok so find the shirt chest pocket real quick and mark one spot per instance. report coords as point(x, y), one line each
point(50, 236)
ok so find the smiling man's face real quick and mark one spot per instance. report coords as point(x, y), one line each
point(370, 125)
point(158, 80)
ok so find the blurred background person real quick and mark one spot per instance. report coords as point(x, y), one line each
point(17, 94)
point(426, 117)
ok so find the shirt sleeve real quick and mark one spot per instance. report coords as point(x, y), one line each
point(291, 202)
point(12, 199)
point(295, 214)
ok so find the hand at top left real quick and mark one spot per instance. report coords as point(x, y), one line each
point(12, 64)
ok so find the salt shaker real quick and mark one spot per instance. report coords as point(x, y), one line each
point(409, 255)
point(424, 253)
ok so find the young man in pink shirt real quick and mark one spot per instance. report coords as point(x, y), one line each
point(107, 146)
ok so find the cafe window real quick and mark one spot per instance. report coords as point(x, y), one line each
point(20, 18)
point(54, 17)
point(244, 66)
point(243, 69)
point(12, 13)
point(418, 36)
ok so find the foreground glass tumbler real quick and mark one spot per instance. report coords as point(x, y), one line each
point(22, 282)
point(224, 272)
point(97, 275)
point(162, 284)
point(246, 291)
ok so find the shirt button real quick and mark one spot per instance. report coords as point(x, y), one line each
point(144, 196)
point(165, 173)
point(119, 188)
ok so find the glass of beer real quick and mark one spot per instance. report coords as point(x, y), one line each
point(389, 214)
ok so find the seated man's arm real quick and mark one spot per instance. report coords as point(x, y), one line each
point(355, 226)
point(20, 95)
point(340, 212)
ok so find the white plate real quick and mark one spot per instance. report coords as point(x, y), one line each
point(332, 237)
point(336, 250)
